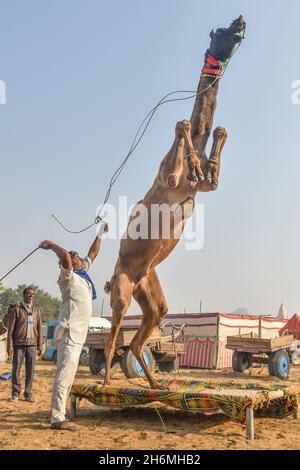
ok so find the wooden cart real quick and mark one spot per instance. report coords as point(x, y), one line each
point(159, 349)
point(248, 350)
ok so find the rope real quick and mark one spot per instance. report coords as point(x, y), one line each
point(162, 421)
point(137, 139)
point(22, 261)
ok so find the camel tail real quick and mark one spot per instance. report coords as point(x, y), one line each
point(107, 287)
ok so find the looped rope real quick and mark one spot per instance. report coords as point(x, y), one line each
point(140, 134)
point(134, 145)
point(99, 219)
point(137, 139)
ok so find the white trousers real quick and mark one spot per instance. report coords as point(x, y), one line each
point(68, 354)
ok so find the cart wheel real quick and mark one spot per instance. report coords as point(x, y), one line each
point(169, 366)
point(131, 366)
point(295, 358)
point(54, 357)
point(279, 364)
point(241, 361)
point(97, 363)
point(84, 358)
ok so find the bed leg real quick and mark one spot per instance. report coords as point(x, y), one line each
point(296, 413)
point(249, 423)
point(73, 407)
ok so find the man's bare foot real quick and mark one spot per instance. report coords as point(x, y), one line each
point(63, 426)
point(13, 399)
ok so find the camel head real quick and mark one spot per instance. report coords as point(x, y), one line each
point(224, 40)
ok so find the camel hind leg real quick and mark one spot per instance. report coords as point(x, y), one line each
point(121, 294)
point(151, 299)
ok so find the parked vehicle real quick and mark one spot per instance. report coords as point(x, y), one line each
point(50, 353)
point(276, 352)
point(160, 350)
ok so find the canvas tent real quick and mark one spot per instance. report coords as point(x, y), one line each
point(206, 335)
point(282, 314)
point(292, 327)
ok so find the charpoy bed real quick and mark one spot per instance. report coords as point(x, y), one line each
point(238, 401)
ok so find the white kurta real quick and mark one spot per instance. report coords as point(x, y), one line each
point(76, 306)
point(71, 331)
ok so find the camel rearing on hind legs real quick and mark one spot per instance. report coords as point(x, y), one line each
point(184, 171)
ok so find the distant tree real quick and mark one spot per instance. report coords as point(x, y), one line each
point(49, 305)
point(2, 288)
point(241, 311)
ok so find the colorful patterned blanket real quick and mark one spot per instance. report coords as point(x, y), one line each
point(203, 397)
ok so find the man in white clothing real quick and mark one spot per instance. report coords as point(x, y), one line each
point(78, 291)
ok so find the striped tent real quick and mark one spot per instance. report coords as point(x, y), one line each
point(206, 335)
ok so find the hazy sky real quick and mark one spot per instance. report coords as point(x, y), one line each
point(81, 75)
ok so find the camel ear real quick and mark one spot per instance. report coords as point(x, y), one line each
point(212, 33)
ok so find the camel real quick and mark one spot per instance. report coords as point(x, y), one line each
point(183, 173)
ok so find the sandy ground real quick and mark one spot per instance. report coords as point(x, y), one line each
point(25, 425)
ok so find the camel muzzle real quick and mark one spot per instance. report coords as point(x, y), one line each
point(238, 37)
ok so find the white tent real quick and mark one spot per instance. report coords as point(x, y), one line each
point(282, 314)
point(206, 335)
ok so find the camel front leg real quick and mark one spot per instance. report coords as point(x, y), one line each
point(195, 173)
point(212, 170)
point(171, 168)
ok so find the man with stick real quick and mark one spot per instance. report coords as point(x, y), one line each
point(78, 291)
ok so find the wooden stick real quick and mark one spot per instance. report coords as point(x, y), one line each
point(249, 424)
point(296, 413)
point(73, 407)
point(259, 327)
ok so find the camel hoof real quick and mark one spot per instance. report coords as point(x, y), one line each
point(214, 185)
point(184, 125)
point(220, 132)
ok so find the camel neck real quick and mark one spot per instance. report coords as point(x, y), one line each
point(204, 109)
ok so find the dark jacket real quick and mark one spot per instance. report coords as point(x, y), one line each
point(17, 328)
